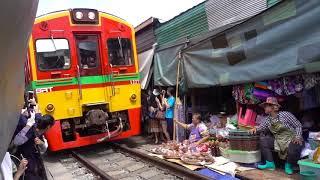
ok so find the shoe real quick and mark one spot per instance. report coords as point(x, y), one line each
point(269, 165)
point(288, 168)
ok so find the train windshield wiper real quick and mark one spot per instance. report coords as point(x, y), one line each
point(55, 51)
point(120, 44)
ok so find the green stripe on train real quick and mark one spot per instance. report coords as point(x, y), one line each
point(84, 80)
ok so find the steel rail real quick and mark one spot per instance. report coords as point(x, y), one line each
point(91, 166)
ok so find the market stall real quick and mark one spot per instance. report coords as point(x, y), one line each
point(274, 54)
point(231, 145)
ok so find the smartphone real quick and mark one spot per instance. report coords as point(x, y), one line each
point(30, 95)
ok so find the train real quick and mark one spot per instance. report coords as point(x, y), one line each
point(82, 66)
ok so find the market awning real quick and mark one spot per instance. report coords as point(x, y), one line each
point(145, 63)
point(280, 40)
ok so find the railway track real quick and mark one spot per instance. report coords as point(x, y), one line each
point(116, 161)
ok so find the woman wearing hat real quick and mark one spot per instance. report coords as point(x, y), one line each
point(153, 109)
point(287, 136)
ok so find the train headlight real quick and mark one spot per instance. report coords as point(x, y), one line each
point(133, 97)
point(91, 15)
point(79, 15)
point(50, 108)
point(84, 16)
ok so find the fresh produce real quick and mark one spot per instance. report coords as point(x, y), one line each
point(215, 142)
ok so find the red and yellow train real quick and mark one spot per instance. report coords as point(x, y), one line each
point(82, 64)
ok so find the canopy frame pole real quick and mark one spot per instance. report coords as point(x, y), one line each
point(177, 92)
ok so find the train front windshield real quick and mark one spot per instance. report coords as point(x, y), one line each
point(53, 54)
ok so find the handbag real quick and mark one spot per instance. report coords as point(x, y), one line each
point(152, 115)
point(152, 112)
point(160, 115)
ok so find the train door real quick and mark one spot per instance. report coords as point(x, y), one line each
point(90, 72)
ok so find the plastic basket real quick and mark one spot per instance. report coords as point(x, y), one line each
point(244, 143)
point(308, 175)
point(307, 165)
point(247, 157)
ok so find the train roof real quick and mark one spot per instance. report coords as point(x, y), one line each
point(68, 10)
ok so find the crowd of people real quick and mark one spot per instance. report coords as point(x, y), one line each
point(160, 114)
point(23, 159)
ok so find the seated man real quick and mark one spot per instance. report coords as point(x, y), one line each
point(30, 141)
point(287, 136)
point(198, 130)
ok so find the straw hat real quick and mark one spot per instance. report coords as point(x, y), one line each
point(271, 101)
point(222, 114)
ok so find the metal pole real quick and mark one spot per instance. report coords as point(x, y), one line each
point(177, 91)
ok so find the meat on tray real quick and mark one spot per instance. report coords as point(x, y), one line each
point(197, 158)
point(159, 150)
point(172, 154)
point(188, 153)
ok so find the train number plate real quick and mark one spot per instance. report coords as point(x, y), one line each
point(44, 90)
point(135, 82)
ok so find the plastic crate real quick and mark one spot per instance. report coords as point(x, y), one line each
point(307, 165)
point(247, 157)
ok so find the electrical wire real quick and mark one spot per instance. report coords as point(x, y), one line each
point(108, 129)
point(19, 163)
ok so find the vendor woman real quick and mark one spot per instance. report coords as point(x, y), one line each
point(287, 136)
point(198, 130)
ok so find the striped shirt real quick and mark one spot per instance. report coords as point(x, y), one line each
point(287, 119)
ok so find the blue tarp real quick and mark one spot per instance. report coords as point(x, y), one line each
point(214, 175)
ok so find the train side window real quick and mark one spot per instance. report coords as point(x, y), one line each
point(120, 51)
point(53, 54)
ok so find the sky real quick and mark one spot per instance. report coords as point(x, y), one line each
point(133, 11)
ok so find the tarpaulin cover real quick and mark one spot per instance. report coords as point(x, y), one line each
point(165, 66)
point(17, 19)
point(145, 62)
point(281, 40)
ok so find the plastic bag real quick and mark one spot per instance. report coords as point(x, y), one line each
point(316, 156)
